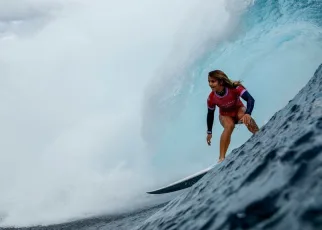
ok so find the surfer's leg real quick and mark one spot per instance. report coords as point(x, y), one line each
point(252, 127)
point(229, 125)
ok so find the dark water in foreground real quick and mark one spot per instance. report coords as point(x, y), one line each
point(273, 181)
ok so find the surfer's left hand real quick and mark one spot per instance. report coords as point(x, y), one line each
point(246, 119)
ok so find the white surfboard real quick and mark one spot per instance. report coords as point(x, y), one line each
point(183, 183)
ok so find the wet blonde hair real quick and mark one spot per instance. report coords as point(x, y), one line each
point(223, 78)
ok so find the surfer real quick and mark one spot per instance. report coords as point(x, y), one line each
point(226, 95)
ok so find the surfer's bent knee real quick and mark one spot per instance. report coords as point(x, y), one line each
point(227, 122)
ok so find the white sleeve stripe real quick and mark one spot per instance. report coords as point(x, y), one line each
point(212, 108)
point(242, 92)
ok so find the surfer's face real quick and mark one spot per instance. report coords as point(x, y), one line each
point(214, 84)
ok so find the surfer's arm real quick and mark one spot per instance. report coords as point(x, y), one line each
point(210, 120)
point(250, 102)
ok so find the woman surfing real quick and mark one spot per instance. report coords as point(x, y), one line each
point(226, 95)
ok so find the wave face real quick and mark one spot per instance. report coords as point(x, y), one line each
point(273, 181)
point(274, 49)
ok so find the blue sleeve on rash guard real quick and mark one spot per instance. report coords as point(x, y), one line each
point(250, 102)
point(210, 120)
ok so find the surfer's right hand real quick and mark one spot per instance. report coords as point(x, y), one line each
point(209, 136)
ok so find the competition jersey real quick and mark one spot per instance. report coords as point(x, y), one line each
point(228, 103)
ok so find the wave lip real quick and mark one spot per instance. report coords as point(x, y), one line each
point(273, 181)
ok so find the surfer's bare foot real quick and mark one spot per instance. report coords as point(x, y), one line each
point(220, 160)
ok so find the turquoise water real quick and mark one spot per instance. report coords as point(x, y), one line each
point(273, 46)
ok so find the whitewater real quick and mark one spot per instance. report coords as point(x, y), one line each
point(102, 101)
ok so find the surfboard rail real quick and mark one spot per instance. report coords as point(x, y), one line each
point(183, 183)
